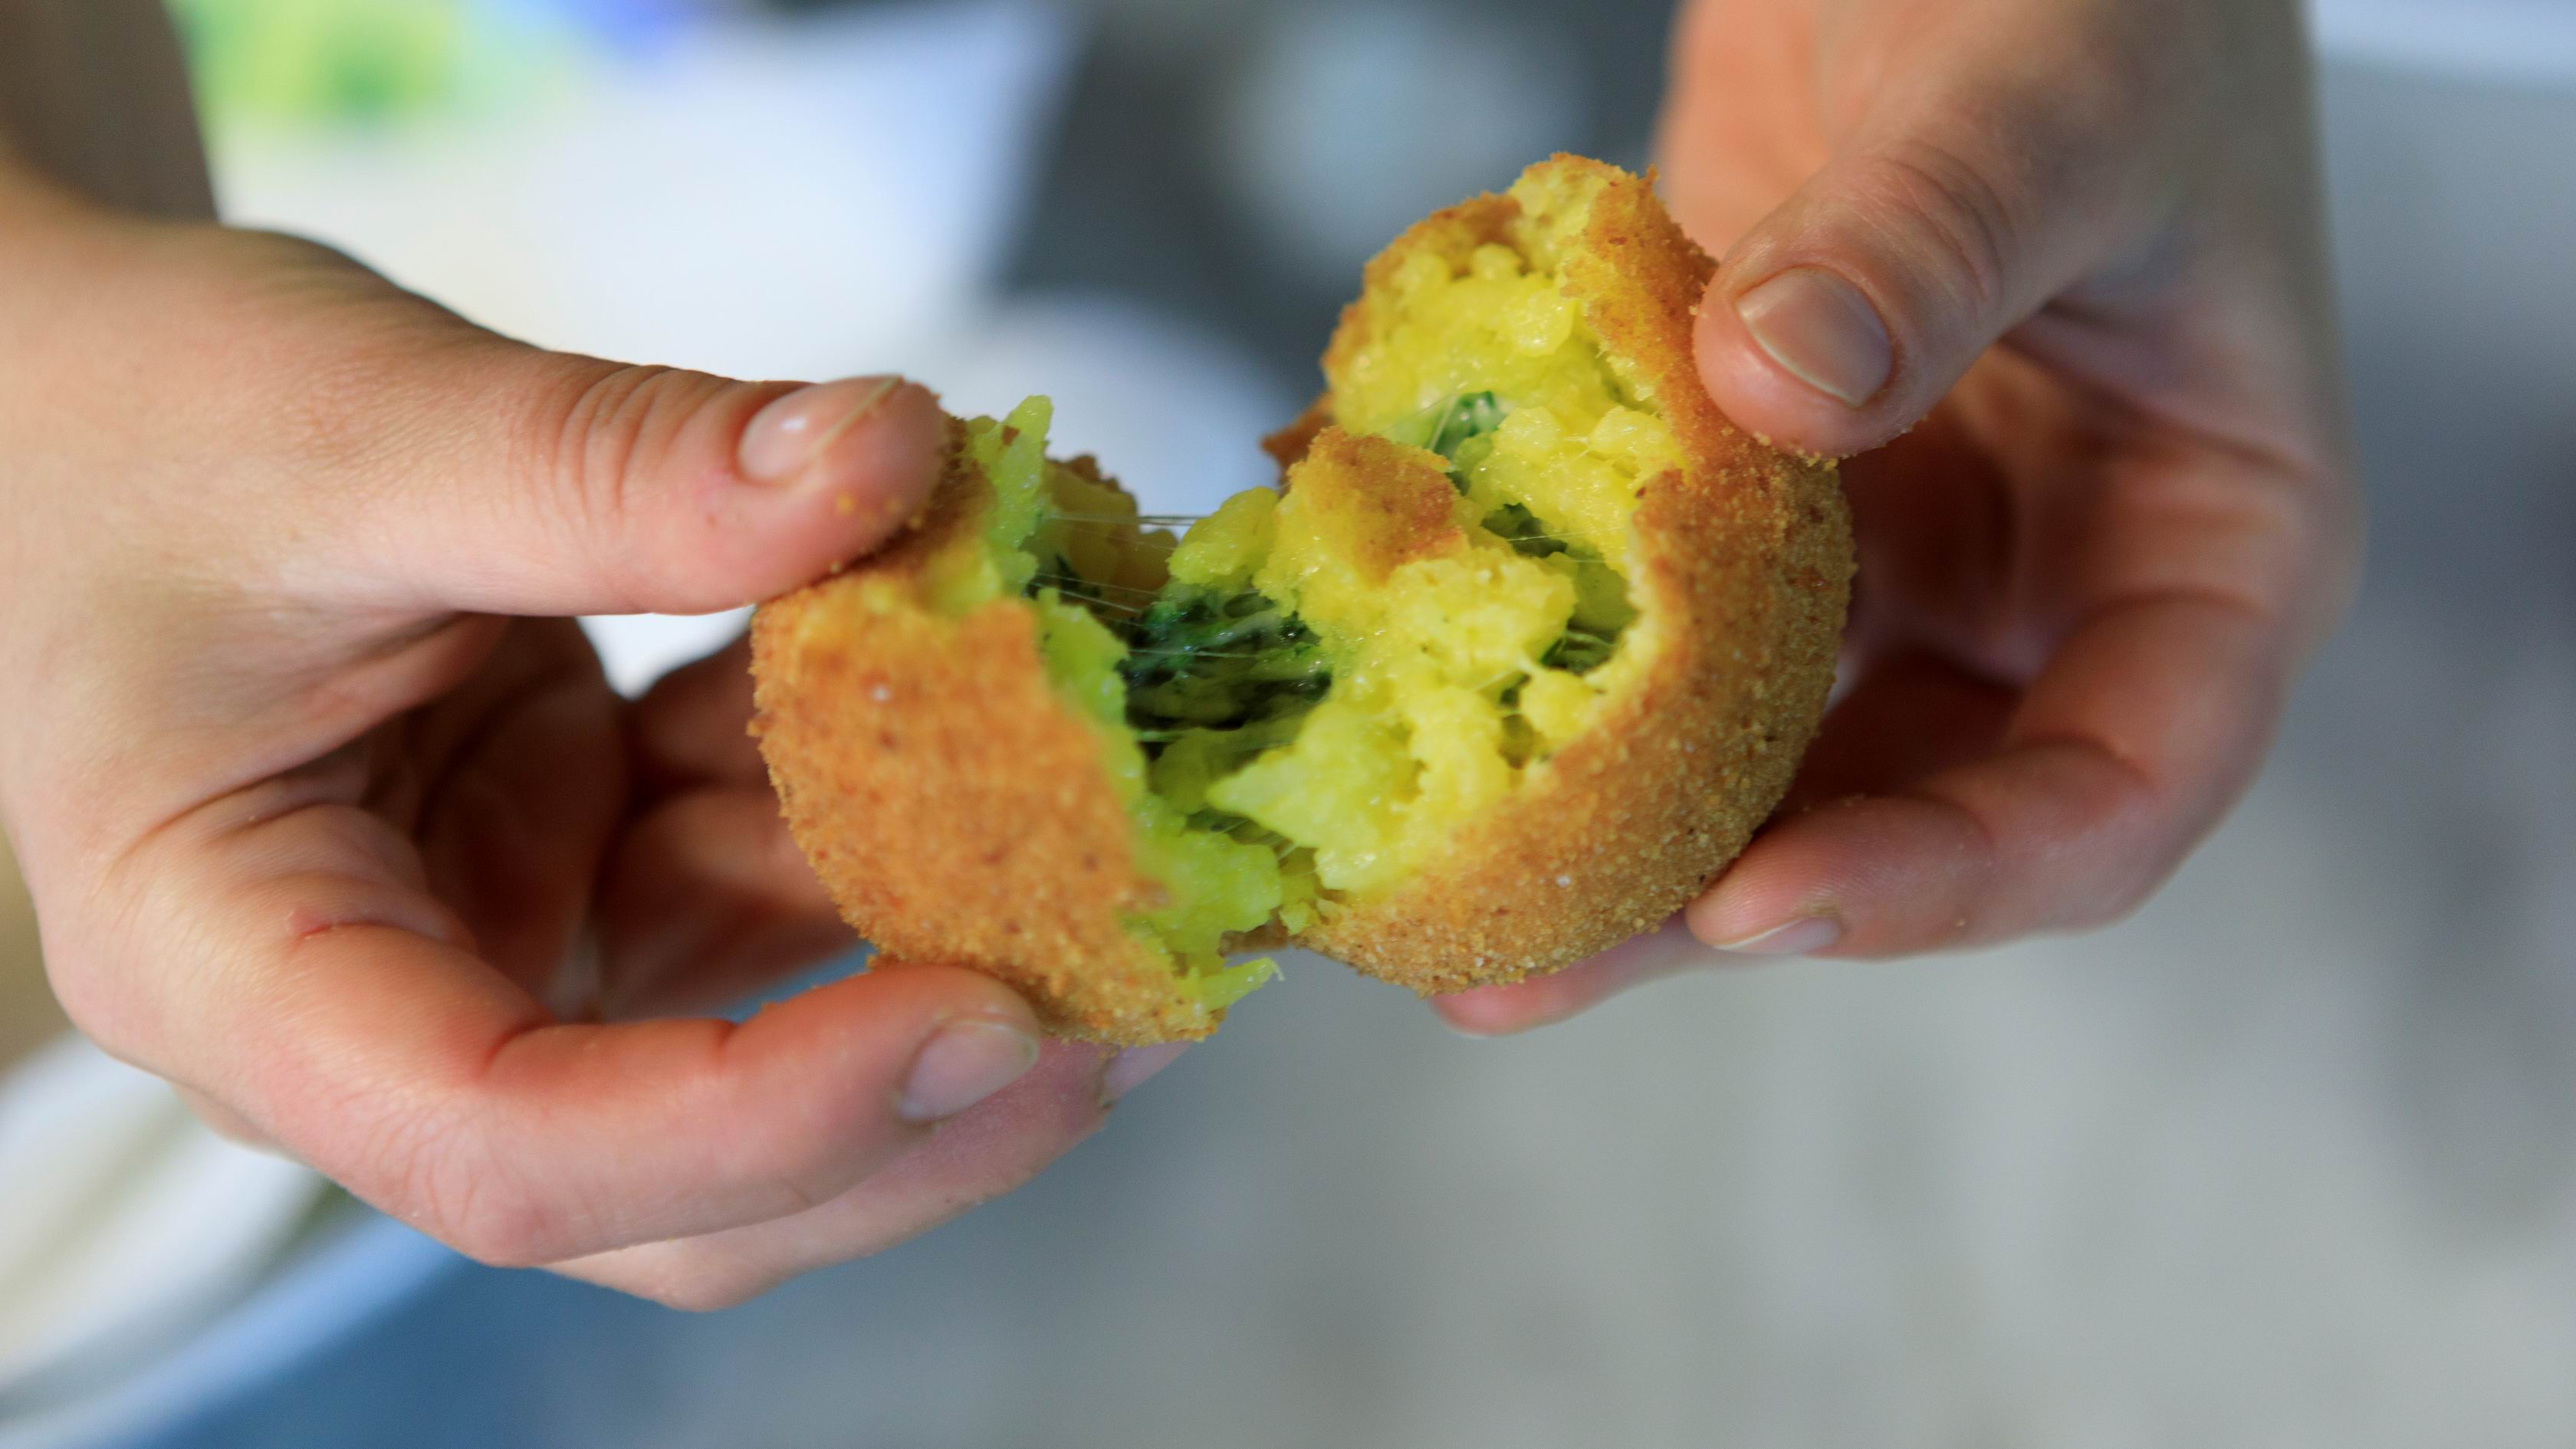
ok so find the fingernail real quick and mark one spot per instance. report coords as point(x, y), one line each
point(1823, 331)
point(1804, 936)
point(962, 1065)
point(1130, 1069)
point(795, 429)
point(1486, 1012)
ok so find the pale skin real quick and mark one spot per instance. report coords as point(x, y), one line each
point(2074, 293)
point(331, 819)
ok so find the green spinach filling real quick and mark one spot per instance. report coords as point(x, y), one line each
point(1460, 430)
point(1241, 665)
point(1207, 659)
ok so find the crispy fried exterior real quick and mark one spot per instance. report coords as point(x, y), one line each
point(1743, 574)
point(1382, 504)
point(955, 806)
point(960, 811)
point(1288, 446)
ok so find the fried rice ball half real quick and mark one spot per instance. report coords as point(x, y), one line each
point(1527, 644)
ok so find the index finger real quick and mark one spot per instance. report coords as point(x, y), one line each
point(2053, 827)
point(2144, 728)
point(340, 1010)
point(1949, 812)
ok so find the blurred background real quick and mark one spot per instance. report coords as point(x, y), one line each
point(2288, 1159)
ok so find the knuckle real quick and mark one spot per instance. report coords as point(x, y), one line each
point(91, 1002)
point(439, 1180)
point(226, 1123)
point(804, 1163)
point(326, 421)
point(802, 1158)
point(591, 437)
point(332, 342)
point(90, 970)
point(1956, 209)
point(500, 1228)
point(2136, 843)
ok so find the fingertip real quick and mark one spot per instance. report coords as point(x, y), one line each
point(631, 489)
point(828, 1087)
point(1810, 933)
point(856, 458)
point(1492, 1011)
point(880, 471)
point(1486, 1012)
point(1720, 916)
point(1820, 396)
point(965, 1061)
point(1820, 329)
point(1057, 1099)
point(1770, 903)
point(912, 1045)
point(937, 988)
point(1134, 1067)
point(972, 1159)
point(1866, 876)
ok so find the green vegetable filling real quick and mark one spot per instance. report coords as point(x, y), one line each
point(1191, 683)
point(1208, 659)
point(1461, 430)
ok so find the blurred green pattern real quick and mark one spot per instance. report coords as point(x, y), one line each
point(305, 63)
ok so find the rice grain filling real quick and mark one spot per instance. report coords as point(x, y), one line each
point(1527, 643)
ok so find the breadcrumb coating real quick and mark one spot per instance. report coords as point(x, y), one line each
point(960, 809)
point(952, 802)
point(1747, 550)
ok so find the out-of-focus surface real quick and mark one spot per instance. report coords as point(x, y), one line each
point(124, 1222)
point(2287, 1160)
point(2487, 42)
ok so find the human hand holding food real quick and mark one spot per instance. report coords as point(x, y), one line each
point(332, 820)
point(2065, 263)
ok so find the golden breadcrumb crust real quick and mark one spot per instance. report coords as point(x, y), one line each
point(1382, 504)
point(955, 806)
point(960, 811)
point(1745, 554)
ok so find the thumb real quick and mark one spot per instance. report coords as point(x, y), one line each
point(1992, 169)
point(552, 484)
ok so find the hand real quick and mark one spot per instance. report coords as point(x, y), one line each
point(2075, 249)
point(331, 819)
